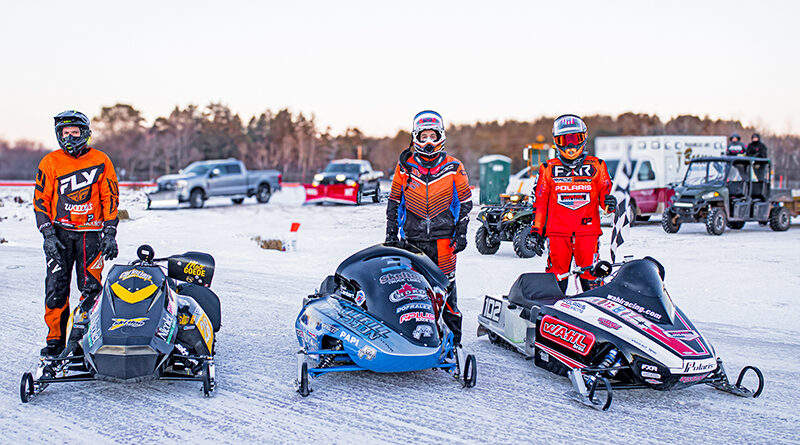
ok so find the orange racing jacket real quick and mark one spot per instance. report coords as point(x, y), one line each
point(79, 194)
point(568, 201)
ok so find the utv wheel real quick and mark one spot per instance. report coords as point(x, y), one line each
point(304, 388)
point(736, 225)
point(206, 380)
point(470, 372)
point(263, 193)
point(715, 221)
point(482, 242)
point(196, 199)
point(26, 387)
point(779, 219)
point(359, 195)
point(237, 200)
point(669, 222)
point(522, 243)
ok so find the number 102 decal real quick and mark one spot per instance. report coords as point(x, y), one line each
point(492, 308)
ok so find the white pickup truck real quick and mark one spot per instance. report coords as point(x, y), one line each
point(220, 177)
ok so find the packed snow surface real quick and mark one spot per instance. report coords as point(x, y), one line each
point(740, 289)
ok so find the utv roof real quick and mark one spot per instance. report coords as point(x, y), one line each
point(729, 159)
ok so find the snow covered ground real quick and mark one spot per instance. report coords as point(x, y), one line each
point(740, 289)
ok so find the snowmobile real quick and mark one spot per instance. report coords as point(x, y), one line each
point(625, 334)
point(379, 312)
point(144, 325)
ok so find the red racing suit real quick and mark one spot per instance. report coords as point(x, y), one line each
point(567, 211)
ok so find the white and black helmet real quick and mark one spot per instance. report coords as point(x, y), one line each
point(428, 120)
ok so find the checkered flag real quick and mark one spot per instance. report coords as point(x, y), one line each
point(622, 220)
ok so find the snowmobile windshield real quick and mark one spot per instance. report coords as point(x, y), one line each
point(391, 286)
point(705, 172)
point(340, 167)
point(638, 287)
point(196, 169)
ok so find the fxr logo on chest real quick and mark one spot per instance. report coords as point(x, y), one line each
point(583, 170)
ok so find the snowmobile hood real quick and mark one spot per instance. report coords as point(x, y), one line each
point(639, 287)
point(397, 287)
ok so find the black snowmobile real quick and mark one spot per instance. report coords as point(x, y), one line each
point(625, 334)
point(143, 326)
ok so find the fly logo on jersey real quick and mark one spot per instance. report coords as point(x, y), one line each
point(585, 170)
point(77, 185)
point(573, 201)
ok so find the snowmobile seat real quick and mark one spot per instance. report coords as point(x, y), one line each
point(535, 289)
point(207, 299)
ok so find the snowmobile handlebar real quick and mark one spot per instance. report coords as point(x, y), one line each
point(600, 269)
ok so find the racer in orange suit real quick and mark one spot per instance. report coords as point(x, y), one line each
point(75, 201)
point(571, 189)
point(429, 204)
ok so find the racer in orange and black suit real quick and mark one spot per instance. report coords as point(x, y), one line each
point(429, 205)
point(569, 192)
point(75, 200)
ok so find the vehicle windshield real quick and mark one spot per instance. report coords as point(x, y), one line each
point(196, 169)
point(705, 172)
point(612, 164)
point(341, 167)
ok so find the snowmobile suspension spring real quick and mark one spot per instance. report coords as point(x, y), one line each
point(607, 360)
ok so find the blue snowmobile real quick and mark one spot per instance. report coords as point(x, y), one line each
point(380, 313)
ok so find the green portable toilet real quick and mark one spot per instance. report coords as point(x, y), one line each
point(495, 171)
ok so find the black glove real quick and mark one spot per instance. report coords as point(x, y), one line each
point(52, 244)
point(535, 242)
point(611, 203)
point(391, 237)
point(108, 245)
point(458, 243)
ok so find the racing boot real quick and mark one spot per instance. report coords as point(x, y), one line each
point(53, 348)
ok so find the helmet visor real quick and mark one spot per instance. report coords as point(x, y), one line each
point(574, 139)
point(425, 136)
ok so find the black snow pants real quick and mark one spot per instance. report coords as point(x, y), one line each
point(81, 251)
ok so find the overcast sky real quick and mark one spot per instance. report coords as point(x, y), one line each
point(374, 65)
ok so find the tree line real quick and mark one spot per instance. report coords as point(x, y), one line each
point(296, 145)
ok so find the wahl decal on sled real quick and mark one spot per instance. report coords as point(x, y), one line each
point(566, 334)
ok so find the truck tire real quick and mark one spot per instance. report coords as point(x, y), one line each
point(667, 223)
point(263, 193)
point(482, 242)
point(521, 242)
point(715, 221)
point(237, 200)
point(779, 219)
point(736, 225)
point(377, 196)
point(197, 199)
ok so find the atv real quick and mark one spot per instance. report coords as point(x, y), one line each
point(625, 334)
point(726, 191)
point(380, 312)
point(510, 221)
point(142, 326)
